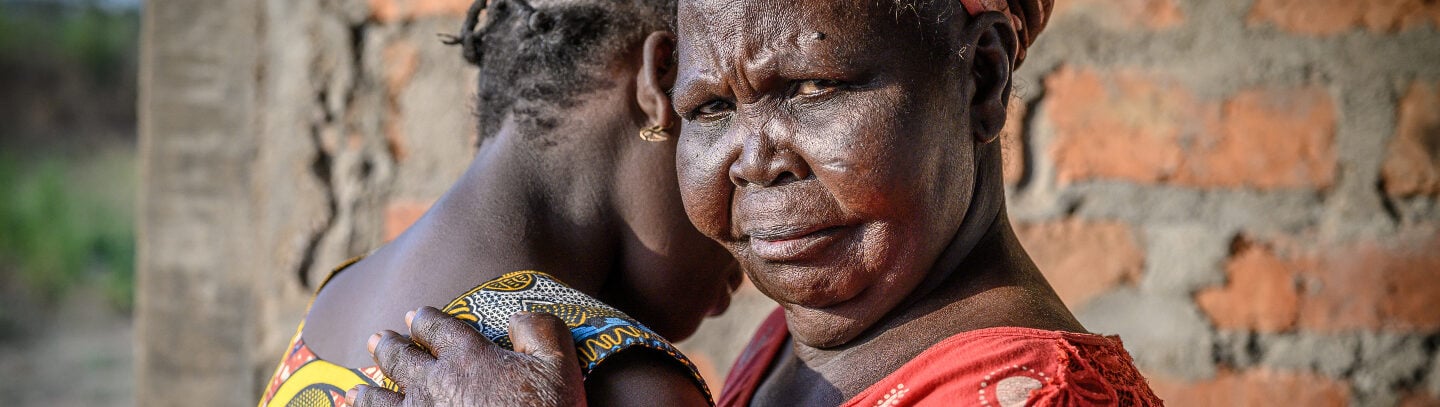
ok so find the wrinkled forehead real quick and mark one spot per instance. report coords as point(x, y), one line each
point(728, 15)
point(728, 26)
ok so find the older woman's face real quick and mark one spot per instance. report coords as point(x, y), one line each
point(826, 147)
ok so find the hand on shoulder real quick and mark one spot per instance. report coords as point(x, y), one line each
point(447, 363)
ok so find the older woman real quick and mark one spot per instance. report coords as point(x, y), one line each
point(572, 197)
point(843, 151)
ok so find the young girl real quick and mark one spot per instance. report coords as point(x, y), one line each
point(572, 197)
point(844, 152)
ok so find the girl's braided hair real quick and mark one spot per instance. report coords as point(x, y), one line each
point(536, 60)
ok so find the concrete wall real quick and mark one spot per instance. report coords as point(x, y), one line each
point(193, 324)
point(1245, 190)
point(279, 138)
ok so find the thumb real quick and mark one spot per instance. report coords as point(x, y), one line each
point(543, 336)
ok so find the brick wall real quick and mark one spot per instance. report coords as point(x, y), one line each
point(1245, 190)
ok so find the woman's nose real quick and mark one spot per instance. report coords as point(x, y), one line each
point(762, 163)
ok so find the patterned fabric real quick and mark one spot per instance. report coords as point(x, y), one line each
point(599, 330)
point(304, 380)
point(992, 367)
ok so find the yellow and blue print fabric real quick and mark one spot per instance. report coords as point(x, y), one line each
point(599, 331)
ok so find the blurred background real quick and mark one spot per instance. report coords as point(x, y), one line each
point(68, 183)
point(1248, 191)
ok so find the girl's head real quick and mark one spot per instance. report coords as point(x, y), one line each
point(833, 146)
point(574, 81)
point(539, 58)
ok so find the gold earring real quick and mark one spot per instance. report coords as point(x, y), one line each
point(654, 134)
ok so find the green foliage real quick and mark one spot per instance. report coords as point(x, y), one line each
point(67, 76)
point(103, 43)
point(65, 220)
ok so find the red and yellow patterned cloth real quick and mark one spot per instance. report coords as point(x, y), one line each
point(302, 379)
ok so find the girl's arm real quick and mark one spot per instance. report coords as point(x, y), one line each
point(462, 368)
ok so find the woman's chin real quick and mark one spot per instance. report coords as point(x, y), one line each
point(809, 286)
point(821, 329)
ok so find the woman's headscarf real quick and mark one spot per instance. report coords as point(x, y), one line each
point(1028, 17)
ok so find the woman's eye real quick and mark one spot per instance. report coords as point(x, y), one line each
point(814, 87)
point(712, 110)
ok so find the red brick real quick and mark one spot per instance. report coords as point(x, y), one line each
point(1261, 293)
point(387, 11)
point(402, 59)
point(1117, 125)
point(1413, 165)
point(1420, 398)
point(1268, 139)
point(1125, 14)
point(1083, 259)
point(1012, 142)
point(1389, 285)
point(1254, 388)
point(402, 213)
point(1325, 17)
point(1133, 126)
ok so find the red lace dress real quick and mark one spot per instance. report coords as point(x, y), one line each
point(994, 367)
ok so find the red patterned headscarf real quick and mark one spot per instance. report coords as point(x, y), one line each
point(1028, 17)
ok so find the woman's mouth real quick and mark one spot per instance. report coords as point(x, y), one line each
point(791, 243)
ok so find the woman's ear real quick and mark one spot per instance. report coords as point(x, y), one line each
point(989, 45)
point(656, 77)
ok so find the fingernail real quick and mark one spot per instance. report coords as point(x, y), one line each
point(370, 344)
point(351, 395)
point(409, 316)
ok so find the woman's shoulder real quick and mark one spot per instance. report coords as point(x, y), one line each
point(599, 330)
point(1011, 366)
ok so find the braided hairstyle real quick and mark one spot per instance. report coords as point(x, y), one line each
point(536, 59)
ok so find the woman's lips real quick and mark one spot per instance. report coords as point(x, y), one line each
point(789, 223)
point(790, 243)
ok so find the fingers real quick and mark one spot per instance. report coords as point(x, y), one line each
point(444, 334)
point(543, 336)
point(400, 359)
point(366, 396)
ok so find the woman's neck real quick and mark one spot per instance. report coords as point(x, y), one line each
point(516, 208)
point(1002, 287)
point(982, 279)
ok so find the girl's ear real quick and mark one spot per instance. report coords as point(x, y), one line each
point(987, 51)
point(656, 77)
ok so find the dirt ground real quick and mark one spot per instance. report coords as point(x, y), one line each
point(75, 353)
